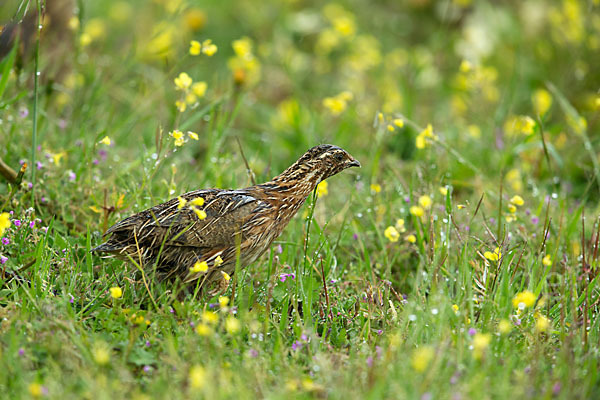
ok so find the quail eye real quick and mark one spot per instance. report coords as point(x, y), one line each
point(339, 157)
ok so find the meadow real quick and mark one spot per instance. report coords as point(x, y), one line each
point(460, 262)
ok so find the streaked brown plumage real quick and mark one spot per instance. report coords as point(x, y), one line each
point(173, 237)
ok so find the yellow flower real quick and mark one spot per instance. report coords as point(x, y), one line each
point(73, 23)
point(425, 202)
point(400, 225)
point(519, 124)
point(210, 317)
point(183, 81)
point(411, 238)
point(106, 140)
point(178, 136)
point(495, 256)
point(35, 389)
point(181, 106)
point(201, 214)
point(197, 201)
point(338, 104)
point(524, 299)
point(517, 200)
point(399, 122)
point(504, 326)
point(421, 358)
point(425, 137)
point(115, 292)
point(465, 66)
point(547, 260)
point(203, 329)
point(197, 377)
point(417, 211)
point(455, 308)
point(420, 142)
point(225, 275)
point(195, 47)
point(101, 354)
point(193, 135)
point(4, 222)
point(199, 266)
point(322, 189)
point(182, 203)
point(194, 18)
point(199, 88)
point(223, 301)
point(232, 325)
point(391, 234)
point(474, 131)
point(443, 190)
point(512, 208)
point(190, 98)
point(391, 128)
point(209, 48)
point(375, 188)
point(218, 261)
point(481, 341)
point(542, 101)
point(542, 323)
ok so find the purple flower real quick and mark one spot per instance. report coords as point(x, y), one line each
point(32, 224)
point(535, 220)
point(147, 343)
point(3, 259)
point(253, 353)
point(147, 369)
point(279, 249)
point(297, 345)
point(44, 229)
point(72, 176)
point(23, 112)
point(355, 236)
point(556, 388)
point(379, 332)
point(17, 222)
point(62, 124)
point(517, 322)
point(5, 241)
point(427, 396)
point(407, 199)
point(492, 221)
point(370, 361)
point(192, 324)
point(102, 154)
point(472, 331)
point(39, 165)
point(95, 161)
point(44, 200)
point(304, 337)
point(21, 352)
point(283, 277)
point(29, 185)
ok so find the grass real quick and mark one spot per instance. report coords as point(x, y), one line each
point(487, 288)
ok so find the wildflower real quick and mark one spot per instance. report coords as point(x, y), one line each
point(183, 81)
point(493, 256)
point(443, 190)
point(232, 325)
point(195, 47)
point(181, 106)
point(421, 358)
point(411, 238)
point(201, 214)
point(225, 275)
point(4, 222)
point(523, 300)
point(542, 101)
point(322, 189)
point(209, 48)
point(203, 329)
point(210, 317)
point(542, 323)
point(375, 188)
point(391, 128)
point(72, 176)
point(512, 208)
point(198, 201)
point(5, 241)
point(106, 140)
point(223, 301)
point(547, 260)
point(182, 203)
point(517, 200)
point(199, 88)
point(218, 261)
point(425, 202)
point(193, 135)
point(115, 292)
point(3, 259)
point(455, 308)
point(474, 131)
point(417, 211)
point(178, 136)
point(197, 377)
point(425, 137)
point(481, 341)
point(391, 234)
point(399, 122)
point(194, 19)
point(199, 266)
point(101, 354)
point(465, 66)
point(504, 326)
point(519, 124)
point(35, 389)
point(17, 222)
point(400, 225)
point(338, 104)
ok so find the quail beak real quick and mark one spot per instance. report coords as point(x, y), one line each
point(353, 163)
